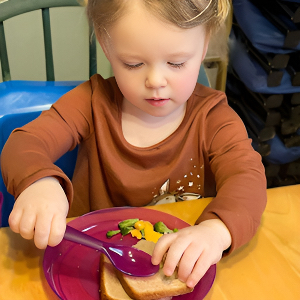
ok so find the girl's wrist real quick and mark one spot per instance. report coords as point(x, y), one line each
point(222, 230)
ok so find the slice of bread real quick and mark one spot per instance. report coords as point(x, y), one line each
point(110, 286)
point(154, 287)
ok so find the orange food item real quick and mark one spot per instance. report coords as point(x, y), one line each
point(150, 234)
point(136, 233)
point(139, 225)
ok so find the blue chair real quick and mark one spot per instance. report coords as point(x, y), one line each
point(26, 96)
point(202, 78)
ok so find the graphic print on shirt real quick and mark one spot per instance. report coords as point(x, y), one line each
point(185, 189)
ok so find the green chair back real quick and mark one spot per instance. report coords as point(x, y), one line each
point(12, 8)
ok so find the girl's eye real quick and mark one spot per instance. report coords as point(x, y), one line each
point(176, 66)
point(130, 67)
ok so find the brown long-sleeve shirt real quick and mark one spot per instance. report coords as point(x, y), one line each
point(209, 154)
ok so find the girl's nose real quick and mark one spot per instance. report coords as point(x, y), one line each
point(155, 79)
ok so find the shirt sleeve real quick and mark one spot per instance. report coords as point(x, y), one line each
point(30, 151)
point(239, 175)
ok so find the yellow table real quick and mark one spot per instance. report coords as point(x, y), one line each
point(267, 268)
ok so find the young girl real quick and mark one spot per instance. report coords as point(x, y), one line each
point(150, 124)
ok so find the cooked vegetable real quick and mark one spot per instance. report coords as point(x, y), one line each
point(127, 223)
point(111, 233)
point(162, 228)
point(139, 225)
point(136, 233)
point(150, 234)
point(141, 229)
point(126, 230)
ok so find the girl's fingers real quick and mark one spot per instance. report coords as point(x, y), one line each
point(57, 230)
point(26, 225)
point(42, 231)
point(14, 220)
point(200, 268)
point(188, 261)
point(174, 255)
point(161, 248)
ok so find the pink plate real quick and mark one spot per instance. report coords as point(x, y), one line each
point(72, 270)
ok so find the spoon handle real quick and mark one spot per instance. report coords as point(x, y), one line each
point(79, 237)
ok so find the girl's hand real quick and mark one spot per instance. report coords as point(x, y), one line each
point(194, 249)
point(40, 213)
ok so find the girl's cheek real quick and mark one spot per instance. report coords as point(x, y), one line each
point(187, 84)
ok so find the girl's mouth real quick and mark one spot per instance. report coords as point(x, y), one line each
point(158, 101)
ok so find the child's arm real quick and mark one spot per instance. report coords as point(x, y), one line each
point(31, 151)
point(40, 213)
point(194, 249)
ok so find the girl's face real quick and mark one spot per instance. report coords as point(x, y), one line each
point(155, 64)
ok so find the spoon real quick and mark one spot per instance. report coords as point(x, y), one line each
point(127, 259)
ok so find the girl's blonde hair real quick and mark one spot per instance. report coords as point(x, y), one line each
point(102, 14)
